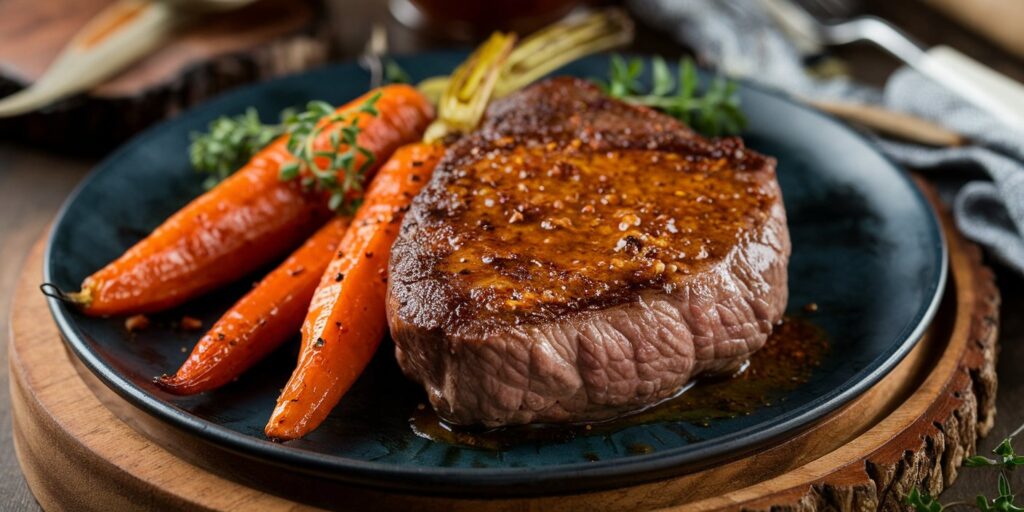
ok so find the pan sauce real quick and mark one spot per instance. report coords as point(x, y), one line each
point(791, 354)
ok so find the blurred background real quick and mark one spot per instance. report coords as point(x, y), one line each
point(214, 45)
point(201, 48)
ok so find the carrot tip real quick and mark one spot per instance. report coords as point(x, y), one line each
point(172, 384)
point(280, 436)
point(80, 298)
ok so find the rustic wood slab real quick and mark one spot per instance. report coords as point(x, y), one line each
point(265, 39)
point(913, 428)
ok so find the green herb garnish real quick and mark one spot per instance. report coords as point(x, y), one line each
point(330, 170)
point(715, 112)
point(1001, 503)
point(923, 502)
point(394, 74)
point(1006, 457)
point(1006, 460)
point(231, 142)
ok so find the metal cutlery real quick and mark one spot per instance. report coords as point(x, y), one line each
point(989, 90)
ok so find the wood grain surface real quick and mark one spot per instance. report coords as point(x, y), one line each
point(911, 429)
point(32, 186)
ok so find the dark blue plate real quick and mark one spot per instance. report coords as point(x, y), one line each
point(866, 248)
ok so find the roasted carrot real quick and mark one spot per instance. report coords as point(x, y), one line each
point(243, 223)
point(346, 318)
point(263, 319)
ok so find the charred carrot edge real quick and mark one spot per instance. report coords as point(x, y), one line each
point(243, 223)
point(261, 320)
point(346, 318)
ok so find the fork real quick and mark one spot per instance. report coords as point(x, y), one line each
point(989, 90)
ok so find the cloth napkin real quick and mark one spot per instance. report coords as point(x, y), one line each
point(740, 39)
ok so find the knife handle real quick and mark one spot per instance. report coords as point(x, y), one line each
point(998, 94)
point(891, 123)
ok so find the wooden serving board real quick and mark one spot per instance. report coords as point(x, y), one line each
point(265, 39)
point(912, 428)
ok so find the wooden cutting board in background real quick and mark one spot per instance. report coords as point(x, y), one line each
point(1000, 21)
point(266, 39)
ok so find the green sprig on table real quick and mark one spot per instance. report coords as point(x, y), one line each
point(1006, 460)
point(1006, 457)
point(714, 112)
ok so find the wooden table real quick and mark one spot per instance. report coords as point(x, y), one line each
point(33, 183)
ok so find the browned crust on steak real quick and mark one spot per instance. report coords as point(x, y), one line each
point(572, 224)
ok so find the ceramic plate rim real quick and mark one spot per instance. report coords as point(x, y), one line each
point(508, 481)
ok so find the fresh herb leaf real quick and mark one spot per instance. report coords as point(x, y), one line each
point(332, 169)
point(1001, 503)
point(716, 112)
point(623, 79)
point(661, 77)
point(1007, 460)
point(922, 502)
point(230, 142)
point(978, 461)
point(394, 74)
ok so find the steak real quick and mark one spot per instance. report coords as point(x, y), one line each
point(578, 258)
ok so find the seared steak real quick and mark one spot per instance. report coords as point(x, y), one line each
point(578, 258)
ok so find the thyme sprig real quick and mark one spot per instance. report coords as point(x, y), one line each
point(714, 112)
point(230, 142)
point(1006, 460)
point(1006, 457)
point(332, 169)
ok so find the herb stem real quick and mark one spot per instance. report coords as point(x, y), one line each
point(334, 169)
point(1016, 432)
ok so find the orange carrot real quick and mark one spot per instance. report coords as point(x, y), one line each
point(346, 318)
point(243, 223)
point(258, 323)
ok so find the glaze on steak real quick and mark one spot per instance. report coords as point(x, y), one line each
point(578, 258)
